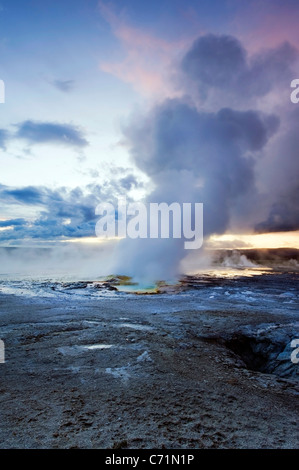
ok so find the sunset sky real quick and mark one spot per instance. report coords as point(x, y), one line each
point(107, 98)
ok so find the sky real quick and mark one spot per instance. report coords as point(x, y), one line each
point(163, 100)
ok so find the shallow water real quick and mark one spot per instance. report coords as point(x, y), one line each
point(258, 289)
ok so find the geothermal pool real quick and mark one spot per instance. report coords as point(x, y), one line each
point(102, 363)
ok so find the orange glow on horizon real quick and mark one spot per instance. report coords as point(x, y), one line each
point(226, 241)
point(257, 240)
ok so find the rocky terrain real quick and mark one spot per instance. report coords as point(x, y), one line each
point(147, 371)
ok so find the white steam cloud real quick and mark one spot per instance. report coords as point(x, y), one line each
point(200, 148)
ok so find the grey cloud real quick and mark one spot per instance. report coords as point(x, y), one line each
point(56, 208)
point(49, 132)
point(281, 179)
point(179, 137)
point(28, 195)
point(12, 222)
point(64, 85)
point(130, 181)
point(269, 69)
point(215, 60)
point(61, 213)
point(221, 62)
point(284, 214)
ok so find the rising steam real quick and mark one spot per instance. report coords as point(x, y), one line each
point(197, 148)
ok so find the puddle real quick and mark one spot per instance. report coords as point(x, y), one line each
point(75, 350)
point(134, 326)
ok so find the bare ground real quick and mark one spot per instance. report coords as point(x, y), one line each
point(167, 381)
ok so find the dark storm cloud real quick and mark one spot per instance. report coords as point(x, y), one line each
point(221, 62)
point(48, 132)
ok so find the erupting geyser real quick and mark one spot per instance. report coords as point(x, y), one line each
point(196, 148)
